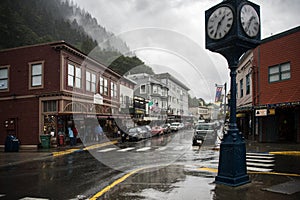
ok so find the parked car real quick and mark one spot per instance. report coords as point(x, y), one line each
point(204, 131)
point(175, 126)
point(139, 133)
point(157, 130)
point(167, 128)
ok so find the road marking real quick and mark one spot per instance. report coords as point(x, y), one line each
point(161, 149)
point(126, 149)
point(32, 198)
point(69, 151)
point(106, 150)
point(179, 148)
point(290, 153)
point(214, 170)
point(120, 180)
point(143, 149)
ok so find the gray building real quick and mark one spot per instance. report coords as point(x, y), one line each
point(166, 95)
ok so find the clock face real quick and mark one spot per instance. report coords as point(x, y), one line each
point(219, 23)
point(249, 20)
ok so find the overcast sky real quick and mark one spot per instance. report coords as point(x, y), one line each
point(168, 35)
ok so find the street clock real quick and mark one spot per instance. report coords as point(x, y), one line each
point(232, 27)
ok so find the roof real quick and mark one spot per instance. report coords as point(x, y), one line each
point(282, 34)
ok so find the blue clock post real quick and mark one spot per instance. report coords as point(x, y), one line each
point(232, 28)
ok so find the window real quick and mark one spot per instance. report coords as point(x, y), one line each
point(90, 82)
point(36, 74)
point(77, 77)
point(105, 92)
point(247, 84)
point(155, 90)
point(279, 72)
point(143, 89)
point(4, 78)
point(50, 106)
point(101, 85)
point(113, 90)
point(71, 75)
point(241, 88)
point(74, 76)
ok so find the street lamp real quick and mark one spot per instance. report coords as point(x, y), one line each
point(232, 28)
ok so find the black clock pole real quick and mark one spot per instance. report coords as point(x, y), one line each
point(232, 168)
point(232, 28)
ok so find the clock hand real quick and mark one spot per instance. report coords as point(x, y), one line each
point(219, 24)
point(249, 22)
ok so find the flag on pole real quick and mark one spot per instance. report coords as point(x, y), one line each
point(218, 94)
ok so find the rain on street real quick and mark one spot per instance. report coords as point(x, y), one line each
point(85, 173)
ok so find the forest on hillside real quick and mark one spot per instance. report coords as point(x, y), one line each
point(38, 21)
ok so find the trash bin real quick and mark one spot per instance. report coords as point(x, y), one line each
point(45, 140)
point(11, 144)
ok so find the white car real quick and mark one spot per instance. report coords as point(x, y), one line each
point(175, 126)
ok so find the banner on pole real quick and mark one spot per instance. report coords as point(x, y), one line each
point(218, 98)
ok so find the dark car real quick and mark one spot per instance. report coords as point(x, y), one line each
point(204, 131)
point(138, 133)
point(167, 128)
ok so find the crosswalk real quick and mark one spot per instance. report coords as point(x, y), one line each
point(262, 162)
point(144, 149)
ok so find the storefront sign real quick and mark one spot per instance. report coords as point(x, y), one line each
point(261, 112)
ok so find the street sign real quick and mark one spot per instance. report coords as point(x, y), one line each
point(261, 112)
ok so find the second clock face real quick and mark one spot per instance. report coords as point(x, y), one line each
point(219, 23)
point(250, 20)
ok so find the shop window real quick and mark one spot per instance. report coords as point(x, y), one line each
point(36, 75)
point(279, 72)
point(4, 78)
point(50, 106)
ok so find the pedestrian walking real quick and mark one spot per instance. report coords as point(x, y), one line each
point(75, 132)
point(98, 132)
point(71, 136)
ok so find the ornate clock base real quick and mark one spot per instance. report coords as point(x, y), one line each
point(232, 161)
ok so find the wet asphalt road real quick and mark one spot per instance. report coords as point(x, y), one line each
point(85, 173)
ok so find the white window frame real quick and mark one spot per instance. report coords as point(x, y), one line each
point(36, 79)
point(4, 79)
point(90, 83)
point(71, 74)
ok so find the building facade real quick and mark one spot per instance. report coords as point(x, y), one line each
point(154, 93)
point(177, 95)
point(47, 87)
point(271, 111)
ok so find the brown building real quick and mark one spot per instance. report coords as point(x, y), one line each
point(45, 87)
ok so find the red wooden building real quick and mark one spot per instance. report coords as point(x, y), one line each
point(276, 87)
point(42, 88)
